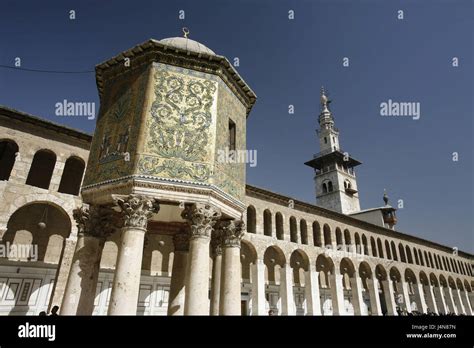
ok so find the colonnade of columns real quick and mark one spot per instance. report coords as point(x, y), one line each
point(190, 281)
point(208, 234)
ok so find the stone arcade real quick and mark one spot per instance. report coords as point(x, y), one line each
point(171, 229)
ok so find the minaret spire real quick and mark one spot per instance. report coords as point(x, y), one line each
point(324, 99)
point(336, 184)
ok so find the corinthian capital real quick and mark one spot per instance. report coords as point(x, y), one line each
point(216, 243)
point(136, 210)
point(231, 232)
point(82, 217)
point(96, 221)
point(201, 217)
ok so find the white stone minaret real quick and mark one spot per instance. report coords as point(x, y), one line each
point(336, 184)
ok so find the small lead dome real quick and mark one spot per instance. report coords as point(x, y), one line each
point(187, 44)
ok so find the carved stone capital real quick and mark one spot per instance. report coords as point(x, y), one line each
point(181, 241)
point(136, 210)
point(231, 232)
point(216, 243)
point(96, 221)
point(201, 218)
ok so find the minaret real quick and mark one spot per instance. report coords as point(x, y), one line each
point(388, 213)
point(336, 184)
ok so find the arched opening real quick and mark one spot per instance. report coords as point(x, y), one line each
point(325, 188)
point(401, 251)
point(317, 237)
point(41, 221)
point(387, 249)
point(385, 291)
point(248, 260)
point(327, 236)
point(72, 176)
point(325, 269)
point(267, 223)
point(36, 235)
point(438, 297)
point(380, 247)
point(339, 240)
point(373, 246)
point(280, 234)
point(251, 219)
point(408, 254)
point(347, 240)
point(293, 230)
point(461, 266)
point(436, 262)
point(456, 304)
point(370, 291)
point(394, 251)
point(415, 253)
point(304, 232)
point(351, 297)
point(414, 298)
point(400, 300)
point(299, 262)
point(449, 268)
point(364, 244)
point(274, 260)
point(41, 169)
point(157, 255)
point(330, 189)
point(8, 151)
point(431, 260)
point(420, 256)
point(455, 266)
point(357, 243)
point(441, 267)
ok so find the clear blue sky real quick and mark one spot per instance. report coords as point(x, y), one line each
point(285, 62)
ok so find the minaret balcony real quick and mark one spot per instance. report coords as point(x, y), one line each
point(350, 190)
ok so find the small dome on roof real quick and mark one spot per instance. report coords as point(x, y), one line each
point(187, 44)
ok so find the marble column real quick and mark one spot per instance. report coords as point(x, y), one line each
point(357, 300)
point(201, 218)
point(135, 210)
point(440, 300)
point(311, 288)
point(216, 250)
point(258, 288)
point(470, 299)
point(337, 294)
point(467, 305)
point(430, 299)
point(389, 297)
point(450, 300)
point(458, 301)
point(178, 275)
point(286, 291)
point(94, 224)
point(403, 295)
point(231, 232)
point(420, 298)
point(373, 286)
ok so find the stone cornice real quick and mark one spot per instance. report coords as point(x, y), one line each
point(154, 51)
point(279, 199)
point(141, 181)
point(44, 124)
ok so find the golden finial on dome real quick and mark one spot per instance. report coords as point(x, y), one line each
point(185, 32)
